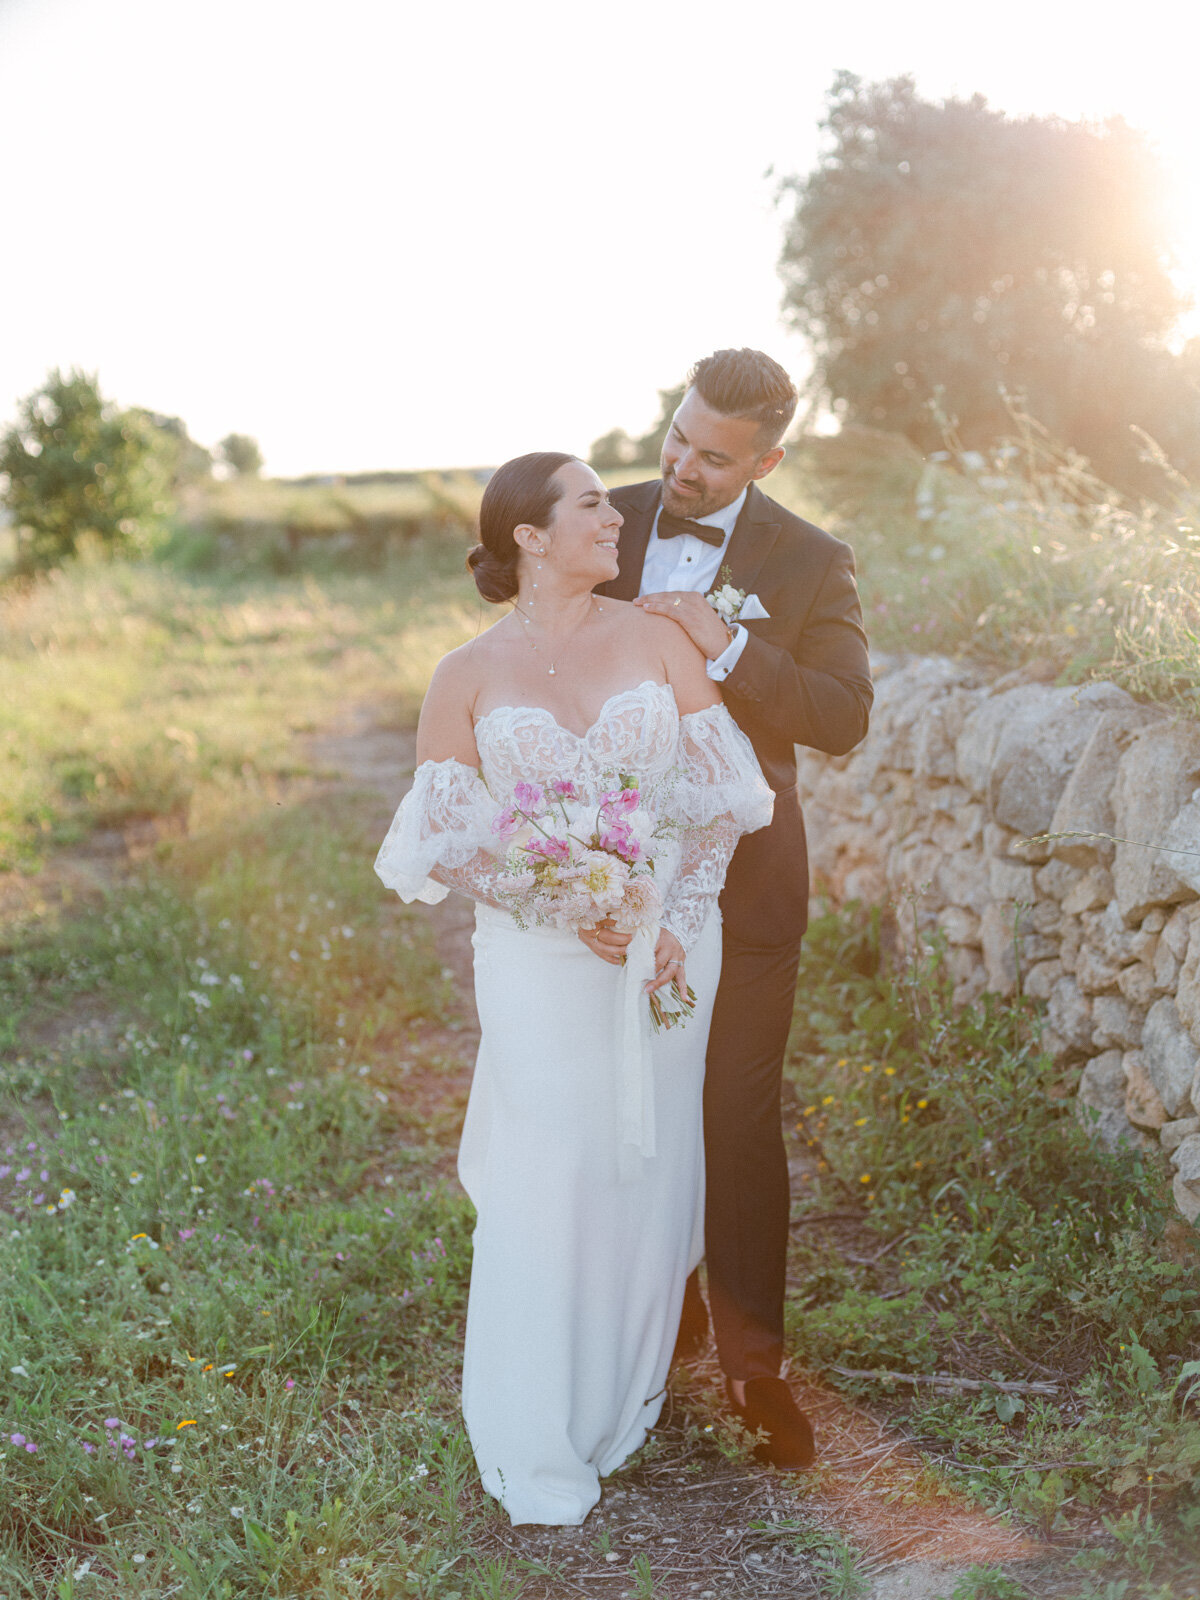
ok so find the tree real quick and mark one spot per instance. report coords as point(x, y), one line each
point(614, 449)
point(241, 452)
point(617, 449)
point(78, 469)
point(946, 247)
point(184, 461)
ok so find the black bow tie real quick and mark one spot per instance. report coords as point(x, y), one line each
point(670, 527)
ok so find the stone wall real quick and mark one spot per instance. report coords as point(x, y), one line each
point(1102, 922)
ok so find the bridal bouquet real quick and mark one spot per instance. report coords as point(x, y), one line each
point(572, 864)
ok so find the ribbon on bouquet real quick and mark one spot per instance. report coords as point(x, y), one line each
point(635, 1069)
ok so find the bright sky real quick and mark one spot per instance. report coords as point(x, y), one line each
point(379, 233)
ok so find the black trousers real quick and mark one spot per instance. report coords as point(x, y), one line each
point(747, 1200)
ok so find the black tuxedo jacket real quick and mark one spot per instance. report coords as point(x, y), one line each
point(803, 678)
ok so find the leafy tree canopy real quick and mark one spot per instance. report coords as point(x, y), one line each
point(617, 449)
point(185, 462)
point(241, 452)
point(947, 247)
point(76, 469)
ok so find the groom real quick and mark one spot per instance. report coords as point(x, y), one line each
point(793, 671)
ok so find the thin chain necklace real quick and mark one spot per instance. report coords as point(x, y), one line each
point(526, 620)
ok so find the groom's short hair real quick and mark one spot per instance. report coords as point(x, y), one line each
point(747, 383)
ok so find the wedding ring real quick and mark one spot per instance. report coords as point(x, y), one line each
point(675, 602)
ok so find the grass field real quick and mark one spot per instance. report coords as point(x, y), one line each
point(237, 1272)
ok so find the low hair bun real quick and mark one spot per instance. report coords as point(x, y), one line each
point(523, 490)
point(495, 578)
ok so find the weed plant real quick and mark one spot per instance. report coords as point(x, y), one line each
point(1021, 559)
point(1007, 1245)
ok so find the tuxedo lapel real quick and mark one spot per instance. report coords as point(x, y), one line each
point(754, 536)
point(638, 511)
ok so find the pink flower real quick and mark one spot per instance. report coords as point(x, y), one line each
point(528, 796)
point(621, 842)
point(551, 849)
point(505, 823)
point(619, 802)
point(564, 789)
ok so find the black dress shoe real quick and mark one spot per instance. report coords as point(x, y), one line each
point(770, 1406)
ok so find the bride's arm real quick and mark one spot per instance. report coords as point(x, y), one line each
point(445, 730)
point(441, 836)
point(721, 795)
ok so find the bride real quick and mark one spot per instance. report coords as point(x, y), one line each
point(582, 1149)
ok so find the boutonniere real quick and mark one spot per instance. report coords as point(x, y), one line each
point(734, 605)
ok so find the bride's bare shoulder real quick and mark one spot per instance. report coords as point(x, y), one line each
point(660, 634)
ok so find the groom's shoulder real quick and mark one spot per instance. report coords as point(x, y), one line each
point(636, 494)
point(797, 534)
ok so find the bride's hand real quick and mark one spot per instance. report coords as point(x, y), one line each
point(668, 964)
point(604, 940)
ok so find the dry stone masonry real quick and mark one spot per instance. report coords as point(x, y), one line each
point(1101, 920)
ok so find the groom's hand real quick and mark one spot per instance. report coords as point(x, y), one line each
point(694, 615)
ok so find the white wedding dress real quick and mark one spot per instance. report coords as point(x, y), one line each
point(582, 1149)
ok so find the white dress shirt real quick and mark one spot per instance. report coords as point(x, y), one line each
point(686, 562)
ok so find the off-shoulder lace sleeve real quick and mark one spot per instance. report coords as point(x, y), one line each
point(721, 795)
point(441, 837)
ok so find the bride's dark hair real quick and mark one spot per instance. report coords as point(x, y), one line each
point(522, 490)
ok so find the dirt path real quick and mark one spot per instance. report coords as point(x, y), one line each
point(707, 1524)
point(694, 1516)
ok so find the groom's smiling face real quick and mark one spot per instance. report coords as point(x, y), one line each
point(709, 458)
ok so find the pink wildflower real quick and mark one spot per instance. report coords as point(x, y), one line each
point(552, 849)
point(504, 823)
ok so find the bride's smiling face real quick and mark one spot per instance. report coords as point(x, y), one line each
point(580, 541)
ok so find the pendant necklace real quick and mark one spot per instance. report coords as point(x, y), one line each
point(552, 669)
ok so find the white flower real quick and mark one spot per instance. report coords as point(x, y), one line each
point(726, 601)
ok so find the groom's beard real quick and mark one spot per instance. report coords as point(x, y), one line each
point(697, 505)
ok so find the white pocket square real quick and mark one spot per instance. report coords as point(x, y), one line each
point(753, 610)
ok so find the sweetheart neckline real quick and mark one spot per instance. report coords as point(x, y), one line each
point(646, 683)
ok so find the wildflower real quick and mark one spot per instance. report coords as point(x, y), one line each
point(112, 1422)
point(135, 1177)
point(859, 1121)
point(889, 1072)
point(868, 1066)
point(809, 1111)
point(843, 1062)
point(866, 1178)
point(200, 1160)
point(921, 1104)
point(528, 796)
point(828, 1100)
point(549, 849)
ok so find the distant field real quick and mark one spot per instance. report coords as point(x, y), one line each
point(136, 691)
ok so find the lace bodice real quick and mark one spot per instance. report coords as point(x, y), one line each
point(441, 836)
point(636, 731)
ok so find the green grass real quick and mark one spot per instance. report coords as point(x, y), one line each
point(134, 691)
point(233, 1291)
point(1021, 561)
point(993, 1241)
